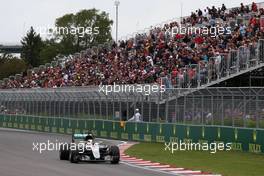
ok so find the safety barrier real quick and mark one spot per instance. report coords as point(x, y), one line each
point(242, 139)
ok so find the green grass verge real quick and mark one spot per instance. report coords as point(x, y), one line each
point(226, 163)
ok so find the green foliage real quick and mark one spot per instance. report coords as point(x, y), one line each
point(35, 51)
point(31, 47)
point(4, 57)
point(49, 51)
point(93, 28)
point(10, 65)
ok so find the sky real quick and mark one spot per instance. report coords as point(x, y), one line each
point(16, 16)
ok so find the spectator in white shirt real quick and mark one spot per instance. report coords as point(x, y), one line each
point(136, 117)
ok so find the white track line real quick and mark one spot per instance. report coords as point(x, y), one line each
point(150, 169)
point(131, 159)
point(172, 169)
point(139, 162)
point(160, 166)
point(149, 164)
point(126, 156)
point(204, 175)
point(186, 172)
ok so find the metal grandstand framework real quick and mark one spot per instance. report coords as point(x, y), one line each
point(239, 107)
point(187, 100)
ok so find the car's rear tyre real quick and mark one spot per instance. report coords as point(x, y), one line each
point(73, 156)
point(115, 155)
point(64, 152)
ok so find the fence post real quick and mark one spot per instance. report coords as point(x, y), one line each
point(212, 110)
point(59, 108)
point(94, 115)
point(64, 107)
point(120, 110)
point(83, 107)
point(113, 115)
point(199, 75)
point(223, 115)
point(245, 111)
point(158, 109)
point(100, 108)
point(37, 107)
point(142, 106)
point(258, 114)
point(202, 109)
point(193, 108)
point(74, 107)
point(69, 108)
point(237, 62)
point(106, 106)
point(54, 107)
point(149, 111)
point(184, 108)
point(176, 108)
point(88, 106)
point(166, 111)
point(232, 111)
point(49, 107)
point(127, 109)
point(78, 107)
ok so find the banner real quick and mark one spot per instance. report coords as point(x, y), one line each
point(242, 139)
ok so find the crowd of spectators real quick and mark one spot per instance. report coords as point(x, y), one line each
point(148, 57)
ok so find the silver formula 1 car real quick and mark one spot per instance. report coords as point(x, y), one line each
point(84, 148)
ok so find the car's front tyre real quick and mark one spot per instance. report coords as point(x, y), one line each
point(114, 154)
point(64, 152)
point(73, 157)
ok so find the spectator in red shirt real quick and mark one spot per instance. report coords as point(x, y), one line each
point(254, 7)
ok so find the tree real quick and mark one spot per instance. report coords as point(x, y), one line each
point(31, 47)
point(72, 33)
point(50, 50)
point(5, 57)
point(10, 65)
point(83, 29)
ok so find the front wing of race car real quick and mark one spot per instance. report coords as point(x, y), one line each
point(94, 152)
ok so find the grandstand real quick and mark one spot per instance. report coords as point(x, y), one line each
point(193, 62)
point(186, 60)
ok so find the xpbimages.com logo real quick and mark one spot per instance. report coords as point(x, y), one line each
point(190, 146)
point(79, 31)
point(56, 146)
point(204, 30)
point(137, 88)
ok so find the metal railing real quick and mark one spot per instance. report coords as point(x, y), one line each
point(221, 67)
point(238, 107)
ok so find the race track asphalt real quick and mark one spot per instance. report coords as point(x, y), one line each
point(17, 158)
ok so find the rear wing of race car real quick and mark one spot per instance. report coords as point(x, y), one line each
point(82, 136)
point(79, 136)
